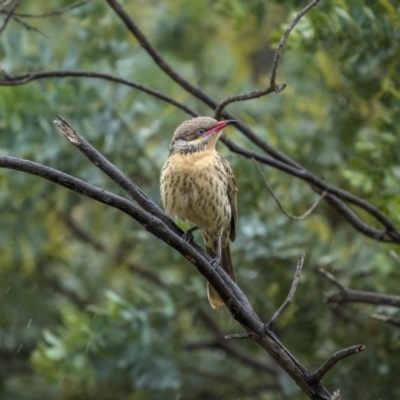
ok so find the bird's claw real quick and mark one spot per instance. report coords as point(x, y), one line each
point(188, 236)
point(216, 261)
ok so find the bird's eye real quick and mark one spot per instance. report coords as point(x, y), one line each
point(201, 131)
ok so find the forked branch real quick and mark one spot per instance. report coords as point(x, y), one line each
point(345, 295)
point(272, 87)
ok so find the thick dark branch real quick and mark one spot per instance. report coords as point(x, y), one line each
point(386, 319)
point(224, 286)
point(345, 295)
point(291, 294)
point(26, 78)
point(139, 196)
point(8, 16)
point(216, 276)
point(332, 360)
point(113, 172)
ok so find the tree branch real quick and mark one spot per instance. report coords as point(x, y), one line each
point(8, 16)
point(333, 359)
point(386, 319)
point(345, 295)
point(26, 78)
point(272, 87)
point(291, 294)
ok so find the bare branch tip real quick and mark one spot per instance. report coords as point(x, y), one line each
point(68, 132)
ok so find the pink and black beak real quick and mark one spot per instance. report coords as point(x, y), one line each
point(218, 128)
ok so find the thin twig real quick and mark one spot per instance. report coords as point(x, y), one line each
point(332, 279)
point(290, 216)
point(284, 38)
point(29, 27)
point(246, 96)
point(291, 294)
point(272, 87)
point(360, 296)
point(386, 319)
point(333, 359)
point(8, 16)
point(51, 13)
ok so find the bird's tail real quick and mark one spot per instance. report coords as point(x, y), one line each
point(226, 264)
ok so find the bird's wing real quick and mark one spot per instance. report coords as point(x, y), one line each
point(232, 189)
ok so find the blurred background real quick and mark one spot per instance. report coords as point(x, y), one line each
point(93, 306)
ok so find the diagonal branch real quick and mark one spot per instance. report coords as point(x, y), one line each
point(272, 87)
point(8, 16)
point(333, 359)
point(291, 294)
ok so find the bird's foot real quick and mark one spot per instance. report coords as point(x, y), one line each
point(188, 235)
point(216, 261)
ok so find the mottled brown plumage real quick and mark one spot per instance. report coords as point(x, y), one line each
point(198, 186)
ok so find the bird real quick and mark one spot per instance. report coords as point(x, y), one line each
point(198, 186)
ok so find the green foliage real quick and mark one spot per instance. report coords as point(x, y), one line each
point(92, 327)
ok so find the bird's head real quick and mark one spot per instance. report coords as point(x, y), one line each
point(197, 134)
